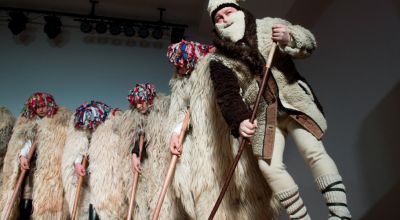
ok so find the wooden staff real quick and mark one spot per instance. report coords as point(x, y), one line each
point(244, 141)
point(135, 179)
point(21, 177)
point(171, 168)
point(79, 187)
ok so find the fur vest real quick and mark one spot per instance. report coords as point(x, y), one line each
point(235, 65)
point(6, 125)
point(47, 180)
point(208, 152)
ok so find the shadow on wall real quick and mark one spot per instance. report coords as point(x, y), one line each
point(307, 12)
point(31, 33)
point(123, 41)
point(386, 207)
point(397, 3)
point(378, 145)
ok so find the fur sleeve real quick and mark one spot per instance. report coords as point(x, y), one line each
point(181, 88)
point(227, 91)
point(303, 41)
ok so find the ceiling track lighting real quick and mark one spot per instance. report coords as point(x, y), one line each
point(100, 24)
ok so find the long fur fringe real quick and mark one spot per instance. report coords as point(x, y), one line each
point(6, 125)
point(76, 143)
point(155, 166)
point(208, 152)
point(47, 175)
point(106, 181)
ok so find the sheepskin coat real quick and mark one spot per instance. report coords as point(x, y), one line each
point(208, 152)
point(51, 135)
point(104, 187)
point(155, 159)
point(76, 144)
point(6, 125)
point(235, 65)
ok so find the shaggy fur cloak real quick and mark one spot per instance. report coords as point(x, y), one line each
point(208, 152)
point(127, 127)
point(6, 125)
point(104, 186)
point(76, 144)
point(47, 180)
point(155, 158)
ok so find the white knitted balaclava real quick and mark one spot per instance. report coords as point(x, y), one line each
point(216, 5)
point(235, 26)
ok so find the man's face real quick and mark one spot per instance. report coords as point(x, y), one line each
point(230, 23)
point(221, 17)
point(142, 107)
point(41, 111)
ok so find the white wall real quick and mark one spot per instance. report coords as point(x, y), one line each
point(78, 67)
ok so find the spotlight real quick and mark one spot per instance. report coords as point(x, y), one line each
point(129, 31)
point(17, 23)
point(52, 27)
point(101, 27)
point(115, 28)
point(177, 35)
point(86, 27)
point(157, 33)
point(143, 32)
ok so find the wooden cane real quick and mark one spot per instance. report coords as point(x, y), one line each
point(171, 168)
point(21, 177)
point(244, 141)
point(135, 180)
point(78, 188)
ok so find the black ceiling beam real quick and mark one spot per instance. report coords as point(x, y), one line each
point(91, 16)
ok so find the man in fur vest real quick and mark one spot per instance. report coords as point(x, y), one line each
point(6, 125)
point(208, 149)
point(44, 123)
point(91, 133)
point(243, 44)
point(152, 109)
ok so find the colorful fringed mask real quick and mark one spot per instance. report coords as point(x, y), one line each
point(38, 100)
point(91, 114)
point(142, 93)
point(186, 54)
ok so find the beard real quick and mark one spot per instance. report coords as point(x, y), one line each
point(234, 29)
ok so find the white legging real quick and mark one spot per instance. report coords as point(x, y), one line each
point(310, 148)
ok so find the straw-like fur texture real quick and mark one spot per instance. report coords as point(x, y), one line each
point(76, 144)
point(208, 152)
point(103, 186)
point(128, 128)
point(6, 125)
point(51, 135)
point(155, 165)
point(106, 181)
